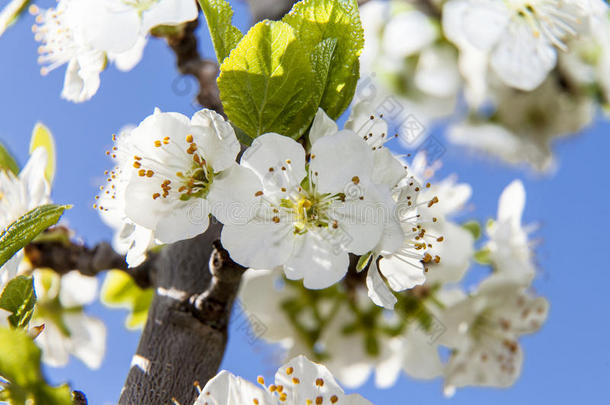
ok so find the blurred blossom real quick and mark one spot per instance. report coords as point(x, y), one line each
point(19, 195)
point(85, 34)
point(483, 330)
point(67, 329)
point(529, 73)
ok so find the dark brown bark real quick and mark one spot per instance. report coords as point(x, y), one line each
point(64, 257)
point(185, 335)
point(190, 62)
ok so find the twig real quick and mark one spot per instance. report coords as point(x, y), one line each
point(79, 398)
point(190, 62)
point(65, 257)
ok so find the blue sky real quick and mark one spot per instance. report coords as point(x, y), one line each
point(567, 361)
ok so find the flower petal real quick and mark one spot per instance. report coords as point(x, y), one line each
point(338, 159)
point(184, 221)
point(218, 144)
point(402, 272)
point(379, 292)
point(258, 244)
point(232, 195)
point(512, 203)
point(322, 125)
point(522, 59)
point(77, 290)
point(227, 389)
point(273, 151)
point(87, 338)
point(314, 380)
point(316, 261)
point(169, 12)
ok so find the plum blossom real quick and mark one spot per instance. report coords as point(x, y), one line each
point(483, 331)
point(172, 173)
point(457, 247)
point(510, 252)
point(520, 38)
point(385, 345)
point(129, 238)
point(63, 41)
point(403, 249)
point(67, 329)
point(300, 381)
point(311, 211)
point(117, 26)
point(85, 34)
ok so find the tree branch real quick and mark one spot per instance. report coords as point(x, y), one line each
point(63, 257)
point(185, 336)
point(213, 306)
point(190, 62)
point(79, 398)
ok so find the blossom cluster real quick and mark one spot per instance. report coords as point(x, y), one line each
point(481, 328)
point(529, 71)
point(86, 34)
point(285, 205)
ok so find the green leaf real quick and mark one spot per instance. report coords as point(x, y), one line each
point(321, 60)
point(7, 162)
point(20, 366)
point(43, 138)
point(225, 36)
point(119, 290)
point(482, 256)
point(364, 261)
point(474, 228)
point(267, 83)
point(19, 298)
point(26, 228)
point(11, 12)
point(317, 20)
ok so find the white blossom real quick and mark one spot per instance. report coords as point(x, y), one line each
point(67, 329)
point(510, 251)
point(299, 381)
point(172, 173)
point(117, 26)
point(483, 331)
point(457, 247)
point(404, 245)
point(129, 238)
point(414, 351)
point(309, 217)
point(521, 38)
point(85, 34)
point(63, 41)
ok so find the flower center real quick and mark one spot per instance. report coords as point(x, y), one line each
point(141, 5)
point(308, 211)
point(549, 19)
